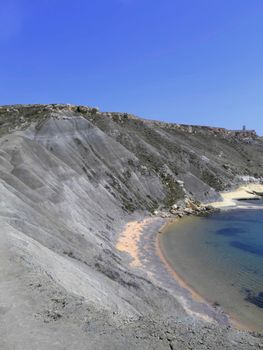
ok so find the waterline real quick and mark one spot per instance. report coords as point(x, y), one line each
point(220, 257)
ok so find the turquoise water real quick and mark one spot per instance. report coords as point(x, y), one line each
point(221, 257)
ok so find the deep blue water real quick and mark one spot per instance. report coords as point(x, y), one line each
point(221, 257)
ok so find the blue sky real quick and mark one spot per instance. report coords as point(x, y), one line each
point(187, 61)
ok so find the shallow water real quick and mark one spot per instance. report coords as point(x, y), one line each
point(221, 257)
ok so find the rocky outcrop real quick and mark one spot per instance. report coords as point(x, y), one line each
point(183, 208)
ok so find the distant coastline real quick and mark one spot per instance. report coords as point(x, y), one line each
point(230, 198)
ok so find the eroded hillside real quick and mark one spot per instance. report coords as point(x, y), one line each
point(71, 177)
point(206, 159)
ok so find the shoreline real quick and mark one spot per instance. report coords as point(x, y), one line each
point(130, 241)
point(196, 297)
point(144, 253)
point(180, 280)
point(231, 319)
point(245, 192)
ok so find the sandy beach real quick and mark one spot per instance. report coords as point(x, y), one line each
point(129, 240)
point(182, 283)
point(141, 241)
point(230, 199)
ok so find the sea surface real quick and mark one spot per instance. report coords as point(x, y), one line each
point(220, 256)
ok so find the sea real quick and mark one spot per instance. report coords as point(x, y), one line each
point(220, 256)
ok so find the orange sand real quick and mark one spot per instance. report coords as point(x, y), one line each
point(129, 239)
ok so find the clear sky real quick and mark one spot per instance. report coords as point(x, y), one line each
point(187, 61)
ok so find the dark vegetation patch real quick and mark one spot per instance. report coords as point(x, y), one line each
point(173, 190)
point(117, 185)
point(212, 180)
point(71, 255)
point(21, 117)
point(51, 316)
